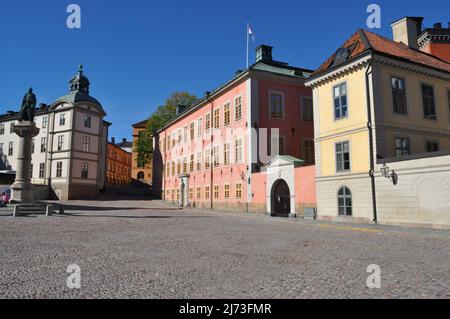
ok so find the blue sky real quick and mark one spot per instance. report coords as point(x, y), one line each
point(137, 52)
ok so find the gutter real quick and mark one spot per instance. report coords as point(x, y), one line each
point(371, 146)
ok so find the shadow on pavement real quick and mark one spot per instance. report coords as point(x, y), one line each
point(132, 217)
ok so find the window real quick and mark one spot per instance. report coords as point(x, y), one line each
point(10, 148)
point(199, 128)
point(199, 192)
point(60, 142)
point(308, 151)
point(238, 191)
point(11, 128)
point(216, 158)
point(401, 146)
point(226, 114)
point(2, 129)
point(174, 139)
point(43, 145)
point(207, 123)
point(191, 164)
point(199, 161)
point(32, 145)
point(238, 151)
point(226, 154)
point(178, 194)
point(185, 166)
point(85, 170)
point(342, 156)
point(345, 202)
point(216, 191)
point(216, 118)
point(281, 145)
point(41, 170)
point(172, 194)
point(59, 169)
point(62, 120)
point(192, 131)
point(227, 191)
point(168, 143)
point(238, 108)
point(399, 95)
point(276, 107)
point(185, 134)
point(31, 170)
point(191, 193)
point(207, 159)
point(178, 167)
point(173, 168)
point(87, 121)
point(206, 192)
point(45, 122)
point(448, 96)
point(431, 146)
point(86, 144)
point(307, 108)
point(340, 101)
point(429, 110)
point(1, 149)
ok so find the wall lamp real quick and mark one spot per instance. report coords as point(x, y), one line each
point(391, 175)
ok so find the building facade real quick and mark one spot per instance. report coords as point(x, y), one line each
point(141, 172)
point(208, 156)
point(382, 130)
point(118, 166)
point(69, 154)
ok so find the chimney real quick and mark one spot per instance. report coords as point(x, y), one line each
point(113, 140)
point(180, 109)
point(264, 53)
point(407, 30)
point(124, 140)
point(437, 26)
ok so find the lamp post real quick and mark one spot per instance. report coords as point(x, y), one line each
point(391, 175)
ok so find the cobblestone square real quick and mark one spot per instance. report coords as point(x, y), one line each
point(145, 249)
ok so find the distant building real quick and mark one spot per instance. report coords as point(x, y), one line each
point(118, 166)
point(69, 154)
point(140, 171)
point(125, 145)
point(382, 133)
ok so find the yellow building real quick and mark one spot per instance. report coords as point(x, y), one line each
point(140, 171)
point(385, 104)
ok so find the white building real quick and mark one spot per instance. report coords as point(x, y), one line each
point(69, 154)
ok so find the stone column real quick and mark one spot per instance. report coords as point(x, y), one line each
point(184, 190)
point(22, 189)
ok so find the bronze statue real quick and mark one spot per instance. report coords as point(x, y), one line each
point(28, 107)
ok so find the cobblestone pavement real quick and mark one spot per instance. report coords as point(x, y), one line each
point(145, 249)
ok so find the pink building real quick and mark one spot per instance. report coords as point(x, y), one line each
point(209, 155)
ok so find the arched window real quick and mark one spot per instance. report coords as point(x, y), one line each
point(345, 202)
point(140, 175)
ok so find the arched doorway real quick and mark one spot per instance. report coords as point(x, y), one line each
point(280, 199)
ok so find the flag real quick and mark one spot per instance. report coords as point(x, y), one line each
point(251, 33)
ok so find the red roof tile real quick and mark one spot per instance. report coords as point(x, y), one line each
point(363, 40)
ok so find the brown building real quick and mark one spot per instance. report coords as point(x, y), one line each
point(140, 171)
point(118, 166)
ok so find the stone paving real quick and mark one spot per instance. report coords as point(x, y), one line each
point(145, 249)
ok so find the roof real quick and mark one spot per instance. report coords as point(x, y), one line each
point(141, 124)
point(363, 41)
point(75, 97)
point(274, 67)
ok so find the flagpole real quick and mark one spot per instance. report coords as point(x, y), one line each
point(247, 31)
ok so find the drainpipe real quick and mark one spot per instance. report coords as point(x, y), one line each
point(371, 147)
point(211, 155)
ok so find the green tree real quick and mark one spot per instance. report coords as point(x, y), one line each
point(162, 115)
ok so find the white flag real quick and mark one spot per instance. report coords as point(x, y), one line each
point(251, 33)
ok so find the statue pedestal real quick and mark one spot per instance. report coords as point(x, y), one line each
point(22, 189)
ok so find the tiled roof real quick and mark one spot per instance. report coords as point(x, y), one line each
point(141, 124)
point(363, 40)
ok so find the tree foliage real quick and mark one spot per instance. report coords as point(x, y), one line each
point(163, 114)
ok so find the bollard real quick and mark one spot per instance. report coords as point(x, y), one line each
point(49, 210)
point(16, 211)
